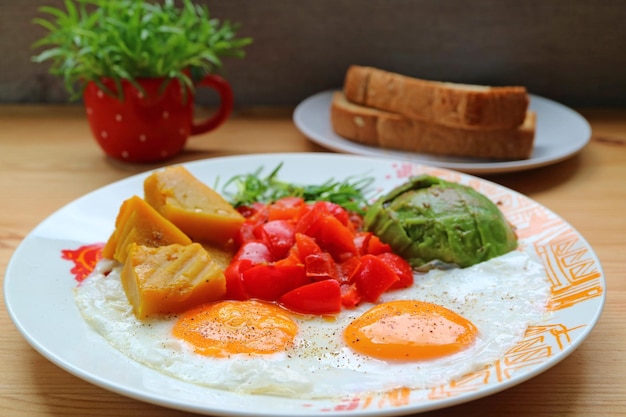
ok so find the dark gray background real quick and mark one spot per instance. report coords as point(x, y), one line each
point(572, 51)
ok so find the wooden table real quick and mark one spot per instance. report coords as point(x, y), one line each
point(48, 159)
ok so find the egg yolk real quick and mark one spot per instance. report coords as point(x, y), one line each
point(236, 327)
point(409, 330)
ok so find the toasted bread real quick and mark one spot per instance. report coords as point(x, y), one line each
point(449, 104)
point(393, 131)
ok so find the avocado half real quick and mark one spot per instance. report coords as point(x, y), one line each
point(428, 220)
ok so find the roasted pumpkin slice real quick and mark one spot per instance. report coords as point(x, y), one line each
point(138, 222)
point(170, 279)
point(197, 209)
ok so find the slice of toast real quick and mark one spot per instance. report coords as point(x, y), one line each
point(390, 130)
point(449, 104)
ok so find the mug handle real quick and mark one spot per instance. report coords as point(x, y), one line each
point(225, 92)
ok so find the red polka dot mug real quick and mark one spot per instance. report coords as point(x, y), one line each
point(154, 124)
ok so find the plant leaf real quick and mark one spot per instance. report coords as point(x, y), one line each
point(126, 39)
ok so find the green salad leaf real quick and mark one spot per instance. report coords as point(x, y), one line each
point(350, 193)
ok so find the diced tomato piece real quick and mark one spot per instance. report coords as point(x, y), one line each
point(356, 221)
point(269, 281)
point(347, 268)
point(333, 237)
point(245, 211)
point(319, 210)
point(305, 246)
point(320, 266)
point(290, 259)
point(308, 220)
point(349, 295)
point(369, 243)
point(287, 208)
point(401, 267)
point(322, 297)
point(278, 235)
point(375, 246)
point(251, 210)
point(336, 210)
point(257, 217)
point(245, 233)
point(373, 278)
point(256, 251)
point(234, 282)
point(361, 240)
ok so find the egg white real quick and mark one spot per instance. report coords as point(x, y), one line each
point(502, 297)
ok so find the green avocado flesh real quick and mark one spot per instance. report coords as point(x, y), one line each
point(429, 219)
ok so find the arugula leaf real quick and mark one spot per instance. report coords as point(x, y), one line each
point(250, 188)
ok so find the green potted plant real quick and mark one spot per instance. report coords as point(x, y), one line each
point(137, 65)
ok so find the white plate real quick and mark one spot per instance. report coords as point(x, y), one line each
point(561, 132)
point(39, 283)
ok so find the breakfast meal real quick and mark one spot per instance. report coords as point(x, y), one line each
point(307, 297)
point(394, 111)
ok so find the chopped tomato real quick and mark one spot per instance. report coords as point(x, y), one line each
point(401, 267)
point(254, 250)
point(356, 221)
point(375, 246)
point(287, 208)
point(234, 282)
point(347, 268)
point(336, 210)
point(290, 259)
point(308, 219)
point(360, 242)
point(269, 281)
point(245, 233)
point(278, 235)
point(369, 243)
point(321, 266)
point(373, 277)
point(321, 297)
point(305, 246)
point(249, 211)
point(257, 216)
point(333, 237)
point(349, 295)
point(312, 258)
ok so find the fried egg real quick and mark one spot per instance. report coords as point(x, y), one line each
point(448, 324)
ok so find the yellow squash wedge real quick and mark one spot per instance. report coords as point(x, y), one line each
point(198, 210)
point(138, 222)
point(170, 279)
